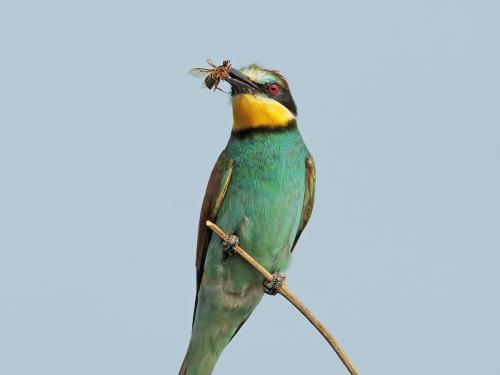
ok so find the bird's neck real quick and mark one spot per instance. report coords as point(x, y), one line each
point(256, 112)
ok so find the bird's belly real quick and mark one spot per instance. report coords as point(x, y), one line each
point(265, 213)
point(263, 208)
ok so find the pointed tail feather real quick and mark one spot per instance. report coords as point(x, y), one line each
point(207, 344)
point(198, 362)
point(183, 370)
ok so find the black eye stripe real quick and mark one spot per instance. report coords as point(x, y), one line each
point(283, 96)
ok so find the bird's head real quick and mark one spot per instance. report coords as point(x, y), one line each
point(261, 99)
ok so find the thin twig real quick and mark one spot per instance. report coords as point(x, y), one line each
point(287, 293)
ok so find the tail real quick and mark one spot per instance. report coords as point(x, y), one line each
point(218, 317)
point(213, 329)
point(199, 361)
point(202, 362)
point(183, 370)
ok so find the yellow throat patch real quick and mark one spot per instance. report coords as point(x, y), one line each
point(256, 111)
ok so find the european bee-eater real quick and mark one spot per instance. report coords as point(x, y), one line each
point(261, 191)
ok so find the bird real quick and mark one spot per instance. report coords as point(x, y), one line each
point(261, 191)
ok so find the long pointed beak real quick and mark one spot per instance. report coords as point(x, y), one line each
point(241, 83)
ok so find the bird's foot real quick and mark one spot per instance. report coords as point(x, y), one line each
point(272, 287)
point(229, 246)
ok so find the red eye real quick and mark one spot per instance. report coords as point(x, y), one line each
point(273, 88)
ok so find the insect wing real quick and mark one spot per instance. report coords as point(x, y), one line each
point(211, 63)
point(199, 72)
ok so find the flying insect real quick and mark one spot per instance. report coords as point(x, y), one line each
point(213, 75)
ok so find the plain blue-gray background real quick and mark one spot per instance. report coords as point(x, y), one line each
point(106, 145)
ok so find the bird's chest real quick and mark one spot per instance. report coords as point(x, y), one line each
point(268, 187)
point(264, 200)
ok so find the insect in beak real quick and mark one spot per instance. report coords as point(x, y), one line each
point(212, 76)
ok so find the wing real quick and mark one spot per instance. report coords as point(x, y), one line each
point(308, 197)
point(211, 62)
point(214, 195)
point(199, 72)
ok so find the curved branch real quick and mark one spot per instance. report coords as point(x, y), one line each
point(287, 293)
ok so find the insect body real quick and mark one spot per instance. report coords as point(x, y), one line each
point(214, 75)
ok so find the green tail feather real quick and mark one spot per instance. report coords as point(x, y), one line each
point(200, 360)
point(213, 329)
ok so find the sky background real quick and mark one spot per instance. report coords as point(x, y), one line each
point(106, 145)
